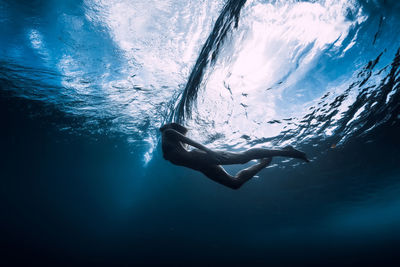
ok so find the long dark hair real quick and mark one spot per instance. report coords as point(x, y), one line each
point(175, 126)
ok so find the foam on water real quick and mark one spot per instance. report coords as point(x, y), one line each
point(245, 73)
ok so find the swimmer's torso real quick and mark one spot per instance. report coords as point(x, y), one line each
point(173, 150)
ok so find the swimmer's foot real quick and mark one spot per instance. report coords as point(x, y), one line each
point(265, 162)
point(297, 153)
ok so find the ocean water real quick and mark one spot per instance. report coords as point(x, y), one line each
point(85, 85)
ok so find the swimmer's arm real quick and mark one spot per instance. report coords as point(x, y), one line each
point(186, 140)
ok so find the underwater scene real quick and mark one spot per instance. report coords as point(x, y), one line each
point(85, 86)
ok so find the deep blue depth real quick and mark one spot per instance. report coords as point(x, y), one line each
point(84, 199)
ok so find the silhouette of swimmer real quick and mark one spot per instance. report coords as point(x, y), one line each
point(208, 161)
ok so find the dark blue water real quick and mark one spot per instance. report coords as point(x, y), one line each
point(84, 85)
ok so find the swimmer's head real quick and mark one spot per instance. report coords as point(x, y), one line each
point(175, 126)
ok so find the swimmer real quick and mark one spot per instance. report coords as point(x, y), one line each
point(209, 161)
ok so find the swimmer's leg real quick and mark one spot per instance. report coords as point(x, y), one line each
point(219, 175)
point(248, 173)
point(260, 153)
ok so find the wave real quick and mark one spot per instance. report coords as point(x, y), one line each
point(287, 57)
point(238, 73)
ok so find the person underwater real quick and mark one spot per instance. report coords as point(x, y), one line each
point(209, 161)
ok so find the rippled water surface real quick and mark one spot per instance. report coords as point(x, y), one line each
point(86, 84)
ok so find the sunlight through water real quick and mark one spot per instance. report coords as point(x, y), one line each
point(240, 73)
